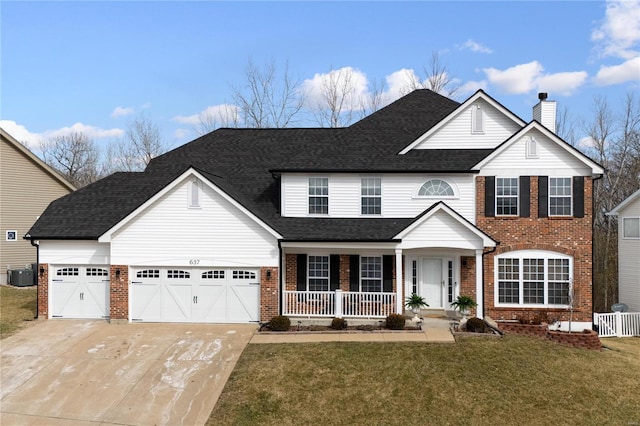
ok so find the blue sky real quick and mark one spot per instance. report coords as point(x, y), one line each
point(94, 66)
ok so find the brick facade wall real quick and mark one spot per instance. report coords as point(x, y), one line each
point(570, 236)
point(269, 293)
point(468, 279)
point(43, 291)
point(119, 293)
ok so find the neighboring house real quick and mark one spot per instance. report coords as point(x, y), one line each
point(27, 186)
point(628, 213)
point(426, 195)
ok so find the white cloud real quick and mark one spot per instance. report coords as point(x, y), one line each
point(619, 33)
point(222, 115)
point(182, 133)
point(121, 112)
point(616, 74)
point(524, 78)
point(21, 134)
point(353, 80)
point(90, 131)
point(474, 46)
point(471, 87)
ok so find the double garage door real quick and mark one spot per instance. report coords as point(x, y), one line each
point(80, 292)
point(214, 295)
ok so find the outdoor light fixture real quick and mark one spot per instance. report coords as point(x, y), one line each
point(118, 272)
point(41, 271)
point(268, 274)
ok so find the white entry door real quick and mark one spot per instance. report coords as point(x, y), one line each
point(431, 281)
point(79, 292)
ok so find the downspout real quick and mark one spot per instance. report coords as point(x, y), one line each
point(593, 223)
point(484, 304)
point(280, 273)
point(37, 275)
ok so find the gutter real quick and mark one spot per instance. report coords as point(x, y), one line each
point(484, 304)
point(593, 221)
point(281, 267)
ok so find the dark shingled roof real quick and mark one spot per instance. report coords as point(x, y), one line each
point(244, 162)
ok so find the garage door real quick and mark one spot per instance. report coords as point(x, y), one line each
point(80, 292)
point(213, 295)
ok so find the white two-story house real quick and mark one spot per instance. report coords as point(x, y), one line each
point(426, 196)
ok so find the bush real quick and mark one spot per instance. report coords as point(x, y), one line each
point(476, 325)
point(339, 324)
point(535, 318)
point(280, 323)
point(395, 322)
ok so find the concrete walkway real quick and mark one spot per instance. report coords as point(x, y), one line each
point(434, 330)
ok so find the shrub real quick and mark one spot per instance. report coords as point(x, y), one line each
point(280, 323)
point(535, 318)
point(395, 322)
point(476, 325)
point(339, 324)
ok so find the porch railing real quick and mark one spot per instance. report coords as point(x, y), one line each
point(617, 324)
point(338, 303)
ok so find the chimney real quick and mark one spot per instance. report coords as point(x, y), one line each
point(545, 112)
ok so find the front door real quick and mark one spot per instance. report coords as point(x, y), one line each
point(431, 281)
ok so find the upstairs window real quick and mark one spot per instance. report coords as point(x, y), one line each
point(560, 196)
point(371, 191)
point(506, 196)
point(477, 119)
point(318, 195)
point(631, 227)
point(436, 188)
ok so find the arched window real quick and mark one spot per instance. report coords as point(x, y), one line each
point(436, 188)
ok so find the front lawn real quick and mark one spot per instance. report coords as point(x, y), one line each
point(509, 381)
point(17, 308)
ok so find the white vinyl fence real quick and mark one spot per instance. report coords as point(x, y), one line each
point(338, 303)
point(617, 324)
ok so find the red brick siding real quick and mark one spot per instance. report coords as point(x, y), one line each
point(119, 292)
point(291, 262)
point(571, 236)
point(468, 279)
point(43, 291)
point(268, 293)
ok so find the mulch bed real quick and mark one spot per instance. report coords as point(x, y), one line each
point(350, 329)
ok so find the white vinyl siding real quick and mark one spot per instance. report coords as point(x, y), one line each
point(441, 230)
point(628, 255)
point(399, 195)
point(458, 132)
point(74, 252)
point(217, 234)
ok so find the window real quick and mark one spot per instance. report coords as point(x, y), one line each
point(371, 191)
point(176, 273)
point(507, 196)
point(67, 272)
point(96, 272)
point(477, 120)
point(148, 273)
point(436, 188)
point(318, 195)
point(194, 194)
point(533, 278)
point(631, 227)
point(560, 196)
point(12, 235)
point(371, 274)
point(414, 276)
point(318, 273)
point(243, 275)
point(213, 275)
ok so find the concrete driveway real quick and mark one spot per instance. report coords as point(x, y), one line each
point(78, 372)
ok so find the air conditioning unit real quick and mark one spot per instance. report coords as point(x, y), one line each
point(22, 277)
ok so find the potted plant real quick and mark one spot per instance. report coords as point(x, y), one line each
point(415, 303)
point(464, 304)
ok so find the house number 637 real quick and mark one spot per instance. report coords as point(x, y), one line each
point(194, 261)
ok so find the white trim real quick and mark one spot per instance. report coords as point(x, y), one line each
point(595, 168)
point(559, 196)
point(495, 199)
point(624, 203)
point(337, 245)
point(191, 172)
point(462, 107)
point(623, 227)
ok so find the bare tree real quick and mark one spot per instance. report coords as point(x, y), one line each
point(374, 100)
point(139, 145)
point(213, 118)
point(436, 77)
point(338, 103)
point(565, 126)
point(267, 99)
point(74, 155)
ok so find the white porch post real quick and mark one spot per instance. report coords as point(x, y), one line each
point(338, 303)
point(479, 293)
point(399, 282)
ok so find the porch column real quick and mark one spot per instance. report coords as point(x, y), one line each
point(479, 292)
point(399, 282)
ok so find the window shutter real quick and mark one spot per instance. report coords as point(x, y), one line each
point(354, 274)
point(578, 196)
point(334, 272)
point(489, 196)
point(543, 196)
point(525, 190)
point(301, 280)
point(387, 273)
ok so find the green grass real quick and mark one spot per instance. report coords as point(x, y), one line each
point(17, 308)
point(509, 381)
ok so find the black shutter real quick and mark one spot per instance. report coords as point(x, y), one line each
point(301, 280)
point(525, 191)
point(354, 273)
point(543, 196)
point(489, 196)
point(387, 273)
point(578, 196)
point(334, 272)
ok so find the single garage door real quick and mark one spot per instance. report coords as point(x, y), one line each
point(213, 295)
point(79, 291)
